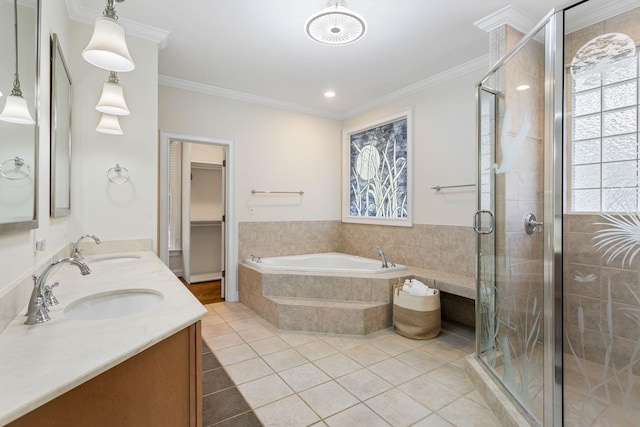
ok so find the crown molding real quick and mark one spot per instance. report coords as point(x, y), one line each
point(242, 96)
point(508, 15)
point(480, 63)
point(80, 13)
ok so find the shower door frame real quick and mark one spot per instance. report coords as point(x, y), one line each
point(553, 25)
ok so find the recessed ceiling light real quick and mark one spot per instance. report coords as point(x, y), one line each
point(523, 87)
point(329, 94)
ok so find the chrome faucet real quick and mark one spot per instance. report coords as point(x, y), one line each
point(385, 262)
point(75, 252)
point(38, 311)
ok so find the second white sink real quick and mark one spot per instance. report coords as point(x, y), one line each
point(113, 259)
point(113, 304)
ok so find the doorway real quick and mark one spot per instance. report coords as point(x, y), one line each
point(197, 234)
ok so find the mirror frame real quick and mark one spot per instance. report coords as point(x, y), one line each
point(59, 70)
point(10, 227)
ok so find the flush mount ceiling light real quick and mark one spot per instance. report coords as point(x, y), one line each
point(109, 124)
point(15, 108)
point(108, 48)
point(336, 25)
point(112, 99)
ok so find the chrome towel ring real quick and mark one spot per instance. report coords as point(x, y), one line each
point(19, 163)
point(118, 175)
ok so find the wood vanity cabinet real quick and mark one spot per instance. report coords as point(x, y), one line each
point(161, 386)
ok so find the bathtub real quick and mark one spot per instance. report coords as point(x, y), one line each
point(330, 262)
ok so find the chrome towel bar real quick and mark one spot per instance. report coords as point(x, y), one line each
point(254, 192)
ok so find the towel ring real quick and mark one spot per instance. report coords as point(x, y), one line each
point(118, 174)
point(18, 163)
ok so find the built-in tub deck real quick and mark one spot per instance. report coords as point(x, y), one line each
point(349, 303)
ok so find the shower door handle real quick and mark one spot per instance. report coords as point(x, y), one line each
point(476, 222)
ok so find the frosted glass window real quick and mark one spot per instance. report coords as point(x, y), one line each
point(619, 122)
point(586, 84)
point(620, 95)
point(587, 176)
point(624, 147)
point(586, 127)
point(622, 70)
point(585, 200)
point(586, 103)
point(587, 151)
point(620, 200)
point(620, 174)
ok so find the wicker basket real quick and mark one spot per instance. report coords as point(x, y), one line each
point(414, 316)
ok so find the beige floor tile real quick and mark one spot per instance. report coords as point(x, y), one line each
point(230, 316)
point(466, 412)
point(285, 359)
point(226, 307)
point(295, 338)
point(359, 415)
point(328, 399)
point(444, 351)
point(345, 342)
point(337, 365)
point(316, 350)
point(364, 384)
point(227, 356)
point(215, 330)
point(248, 370)
point(264, 390)
point(241, 324)
point(476, 397)
point(367, 355)
point(429, 393)
point(394, 371)
point(434, 420)
point(255, 334)
point(218, 342)
point(394, 344)
point(421, 360)
point(269, 345)
point(212, 319)
point(397, 408)
point(452, 377)
point(288, 412)
point(304, 377)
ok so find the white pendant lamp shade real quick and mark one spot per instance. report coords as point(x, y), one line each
point(109, 124)
point(112, 99)
point(108, 48)
point(336, 25)
point(16, 111)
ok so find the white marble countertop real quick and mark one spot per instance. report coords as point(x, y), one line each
point(40, 362)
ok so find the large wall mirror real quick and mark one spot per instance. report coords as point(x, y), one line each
point(19, 140)
point(60, 132)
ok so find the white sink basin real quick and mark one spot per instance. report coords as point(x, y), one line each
point(114, 259)
point(113, 304)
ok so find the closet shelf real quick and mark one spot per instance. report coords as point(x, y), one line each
point(202, 165)
point(201, 222)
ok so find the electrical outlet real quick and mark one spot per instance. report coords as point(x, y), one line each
point(41, 245)
point(252, 211)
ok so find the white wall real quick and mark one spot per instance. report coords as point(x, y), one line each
point(110, 211)
point(276, 150)
point(444, 146)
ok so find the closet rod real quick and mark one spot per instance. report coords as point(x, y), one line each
point(277, 192)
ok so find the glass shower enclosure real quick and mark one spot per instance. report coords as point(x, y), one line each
point(558, 220)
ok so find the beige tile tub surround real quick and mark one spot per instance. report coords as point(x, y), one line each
point(448, 249)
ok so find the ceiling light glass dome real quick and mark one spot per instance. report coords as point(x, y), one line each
point(336, 25)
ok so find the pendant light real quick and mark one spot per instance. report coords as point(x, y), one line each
point(108, 48)
point(109, 124)
point(15, 108)
point(336, 25)
point(112, 99)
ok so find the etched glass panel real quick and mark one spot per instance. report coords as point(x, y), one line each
point(623, 70)
point(586, 103)
point(586, 127)
point(586, 84)
point(585, 200)
point(587, 176)
point(620, 200)
point(620, 95)
point(619, 122)
point(587, 151)
point(623, 147)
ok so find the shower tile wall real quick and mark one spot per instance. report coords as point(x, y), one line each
point(450, 249)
